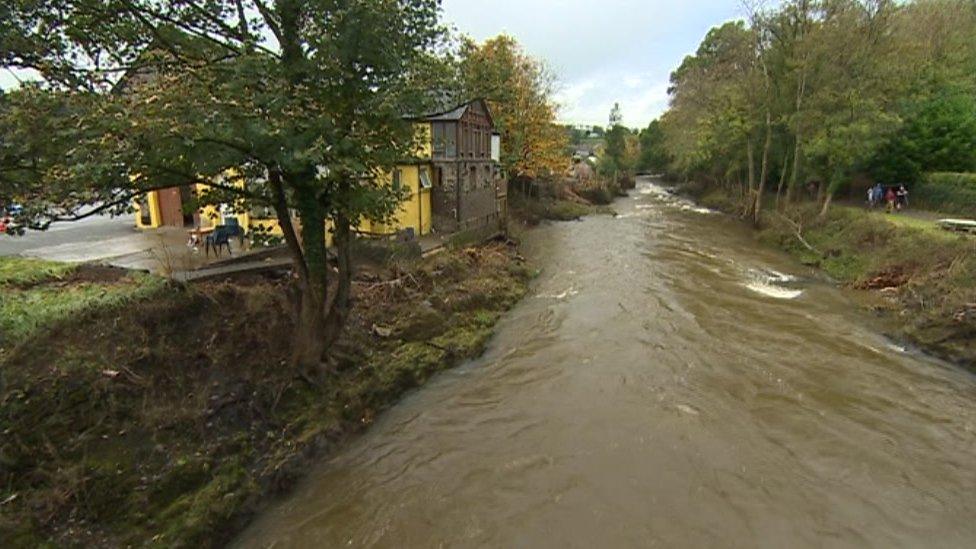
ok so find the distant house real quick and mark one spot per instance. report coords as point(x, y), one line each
point(453, 184)
point(468, 189)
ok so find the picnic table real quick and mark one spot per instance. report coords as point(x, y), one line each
point(197, 236)
point(958, 225)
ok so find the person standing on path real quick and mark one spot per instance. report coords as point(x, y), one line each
point(901, 197)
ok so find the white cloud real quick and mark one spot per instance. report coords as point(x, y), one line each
point(612, 51)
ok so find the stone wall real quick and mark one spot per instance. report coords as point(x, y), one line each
point(477, 182)
point(478, 204)
point(443, 198)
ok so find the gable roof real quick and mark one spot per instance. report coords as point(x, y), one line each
point(456, 112)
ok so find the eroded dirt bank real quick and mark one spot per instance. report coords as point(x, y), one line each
point(169, 418)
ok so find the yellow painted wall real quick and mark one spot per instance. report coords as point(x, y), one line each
point(414, 211)
point(156, 219)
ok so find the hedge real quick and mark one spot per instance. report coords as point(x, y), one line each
point(951, 193)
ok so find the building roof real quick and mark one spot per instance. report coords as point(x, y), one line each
point(454, 112)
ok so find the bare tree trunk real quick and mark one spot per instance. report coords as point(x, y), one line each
point(764, 172)
point(341, 304)
point(309, 344)
point(800, 89)
point(826, 203)
point(751, 156)
point(782, 178)
point(795, 174)
point(287, 227)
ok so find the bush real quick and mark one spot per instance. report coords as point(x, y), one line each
point(953, 193)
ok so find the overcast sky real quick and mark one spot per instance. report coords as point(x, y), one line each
point(602, 51)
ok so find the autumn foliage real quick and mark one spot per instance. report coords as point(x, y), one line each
point(519, 91)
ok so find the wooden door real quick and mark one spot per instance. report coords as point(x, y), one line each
point(171, 207)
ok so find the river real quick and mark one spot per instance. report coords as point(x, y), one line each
point(669, 382)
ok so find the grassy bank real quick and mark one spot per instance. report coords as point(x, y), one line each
point(926, 277)
point(168, 416)
point(36, 293)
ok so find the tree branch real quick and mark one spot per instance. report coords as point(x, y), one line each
point(144, 15)
point(51, 219)
point(269, 19)
point(196, 180)
point(287, 228)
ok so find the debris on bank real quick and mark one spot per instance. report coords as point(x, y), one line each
point(169, 416)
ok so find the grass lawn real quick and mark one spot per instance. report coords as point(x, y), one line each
point(22, 271)
point(35, 293)
point(912, 219)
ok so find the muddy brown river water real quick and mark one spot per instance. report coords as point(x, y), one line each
point(668, 382)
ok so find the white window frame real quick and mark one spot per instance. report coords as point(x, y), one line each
point(425, 179)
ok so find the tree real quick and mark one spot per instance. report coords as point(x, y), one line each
point(710, 127)
point(519, 92)
point(834, 88)
point(851, 102)
point(938, 134)
point(654, 155)
point(617, 155)
point(298, 106)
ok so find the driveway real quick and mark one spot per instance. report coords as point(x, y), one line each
point(95, 238)
point(114, 241)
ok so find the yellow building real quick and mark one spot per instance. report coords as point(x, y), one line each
point(414, 214)
point(452, 183)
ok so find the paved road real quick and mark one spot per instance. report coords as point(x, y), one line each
point(90, 239)
point(117, 242)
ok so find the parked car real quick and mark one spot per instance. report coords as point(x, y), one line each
point(6, 217)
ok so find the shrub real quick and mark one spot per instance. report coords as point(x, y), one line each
point(953, 193)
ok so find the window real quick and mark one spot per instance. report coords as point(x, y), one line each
point(449, 132)
point(439, 142)
point(425, 182)
point(397, 179)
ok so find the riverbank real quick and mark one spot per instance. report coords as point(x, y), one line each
point(670, 382)
point(922, 278)
point(563, 200)
point(149, 412)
